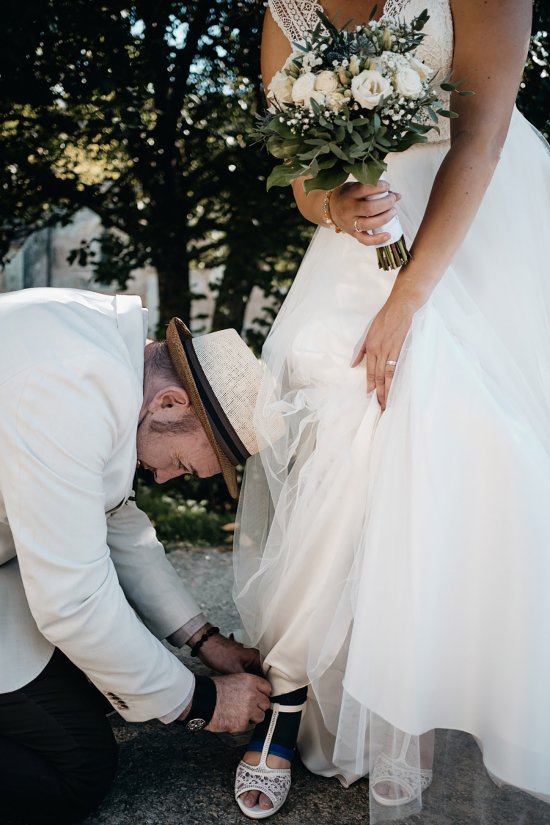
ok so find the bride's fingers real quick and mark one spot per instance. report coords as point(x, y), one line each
point(380, 382)
point(370, 208)
point(371, 372)
point(391, 364)
point(364, 225)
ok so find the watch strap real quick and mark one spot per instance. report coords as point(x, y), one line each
point(203, 704)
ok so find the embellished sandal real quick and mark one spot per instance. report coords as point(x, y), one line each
point(411, 781)
point(273, 782)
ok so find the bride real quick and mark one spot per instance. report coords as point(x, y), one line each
point(393, 557)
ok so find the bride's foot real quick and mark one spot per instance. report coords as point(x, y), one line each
point(396, 782)
point(253, 798)
point(262, 782)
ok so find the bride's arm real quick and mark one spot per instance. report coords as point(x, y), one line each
point(491, 41)
point(347, 203)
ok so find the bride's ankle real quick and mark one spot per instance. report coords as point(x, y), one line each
point(252, 758)
point(279, 730)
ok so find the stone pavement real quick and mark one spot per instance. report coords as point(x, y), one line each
point(169, 777)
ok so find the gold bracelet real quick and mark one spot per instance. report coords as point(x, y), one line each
point(327, 214)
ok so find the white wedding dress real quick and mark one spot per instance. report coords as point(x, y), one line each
point(400, 563)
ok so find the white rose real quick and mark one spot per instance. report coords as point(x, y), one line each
point(424, 72)
point(369, 87)
point(335, 100)
point(304, 90)
point(280, 88)
point(407, 82)
point(326, 82)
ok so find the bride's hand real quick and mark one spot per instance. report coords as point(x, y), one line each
point(383, 342)
point(355, 215)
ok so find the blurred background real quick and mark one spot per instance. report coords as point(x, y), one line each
point(127, 165)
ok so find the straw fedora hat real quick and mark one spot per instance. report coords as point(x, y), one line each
point(222, 378)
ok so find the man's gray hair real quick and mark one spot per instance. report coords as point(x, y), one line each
point(158, 365)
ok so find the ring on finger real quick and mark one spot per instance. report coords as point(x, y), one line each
point(355, 227)
point(391, 364)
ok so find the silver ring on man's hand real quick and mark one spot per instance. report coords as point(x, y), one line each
point(391, 363)
point(355, 227)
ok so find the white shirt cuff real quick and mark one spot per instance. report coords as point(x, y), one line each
point(174, 714)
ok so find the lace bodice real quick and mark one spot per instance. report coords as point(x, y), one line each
point(298, 17)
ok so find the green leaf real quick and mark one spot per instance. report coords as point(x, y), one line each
point(282, 175)
point(447, 113)
point(368, 171)
point(432, 114)
point(336, 150)
point(339, 135)
point(282, 149)
point(328, 24)
point(326, 179)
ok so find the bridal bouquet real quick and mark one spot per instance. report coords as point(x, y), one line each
point(343, 100)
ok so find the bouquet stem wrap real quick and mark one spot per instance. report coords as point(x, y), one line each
point(393, 253)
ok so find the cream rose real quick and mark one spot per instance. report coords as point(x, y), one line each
point(304, 90)
point(424, 72)
point(369, 87)
point(326, 82)
point(280, 88)
point(407, 82)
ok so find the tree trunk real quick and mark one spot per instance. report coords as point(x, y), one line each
point(174, 288)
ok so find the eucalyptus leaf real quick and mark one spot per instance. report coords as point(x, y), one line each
point(326, 179)
point(282, 175)
point(335, 149)
point(282, 149)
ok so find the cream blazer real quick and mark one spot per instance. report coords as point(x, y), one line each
point(80, 565)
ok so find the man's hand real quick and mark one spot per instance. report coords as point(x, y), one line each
point(226, 655)
point(242, 699)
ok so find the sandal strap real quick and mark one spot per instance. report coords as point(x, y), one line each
point(273, 782)
point(412, 780)
point(287, 708)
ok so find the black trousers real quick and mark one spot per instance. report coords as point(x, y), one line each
point(58, 755)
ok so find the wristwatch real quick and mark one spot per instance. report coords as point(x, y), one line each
point(203, 704)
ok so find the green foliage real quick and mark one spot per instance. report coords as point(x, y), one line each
point(534, 93)
point(141, 111)
point(325, 136)
point(181, 520)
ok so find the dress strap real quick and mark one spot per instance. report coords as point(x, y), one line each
point(296, 18)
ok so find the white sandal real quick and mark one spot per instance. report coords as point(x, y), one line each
point(273, 782)
point(413, 781)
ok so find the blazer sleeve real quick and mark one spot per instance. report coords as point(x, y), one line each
point(60, 424)
point(149, 580)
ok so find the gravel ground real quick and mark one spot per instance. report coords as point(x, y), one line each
point(169, 777)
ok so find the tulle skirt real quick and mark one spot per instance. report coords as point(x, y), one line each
point(399, 563)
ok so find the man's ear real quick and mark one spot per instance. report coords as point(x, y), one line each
point(169, 397)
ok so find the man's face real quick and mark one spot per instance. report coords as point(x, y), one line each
point(168, 453)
